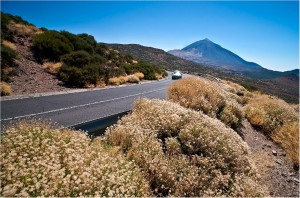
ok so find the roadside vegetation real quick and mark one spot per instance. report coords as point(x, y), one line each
point(278, 120)
point(77, 59)
point(39, 160)
point(231, 103)
point(210, 98)
point(185, 153)
point(160, 149)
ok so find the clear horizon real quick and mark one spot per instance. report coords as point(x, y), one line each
point(266, 33)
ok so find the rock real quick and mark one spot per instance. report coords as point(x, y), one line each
point(296, 180)
point(274, 152)
point(282, 154)
point(278, 161)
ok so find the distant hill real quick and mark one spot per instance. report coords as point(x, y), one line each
point(211, 54)
point(159, 57)
point(169, 61)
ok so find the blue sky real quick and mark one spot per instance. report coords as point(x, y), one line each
point(263, 32)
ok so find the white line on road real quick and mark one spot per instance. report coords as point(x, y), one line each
point(83, 105)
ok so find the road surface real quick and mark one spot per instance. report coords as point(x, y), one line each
point(75, 108)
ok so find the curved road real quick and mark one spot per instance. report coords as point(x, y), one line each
point(75, 108)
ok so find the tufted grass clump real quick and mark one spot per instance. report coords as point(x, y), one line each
point(269, 113)
point(140, 75)
point(217, 101)
point(133, 79)
point(276, 119)
point(52, 67)
point(5, 89)
point(39, 160)
point(184, 152)
point(197, 94)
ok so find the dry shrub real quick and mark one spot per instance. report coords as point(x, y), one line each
point(158, 76)
point(133, 79)
point(278, 120)
point(7, 70)
point(9, 44)
point(39, 160)
point(288, 138)
point(184, 152)
point(100, 83)
point(269, 113)
point(210, 98)
point(232, 115)
point(51, 67)
point(5, 89)
point(89, 85)
point(25, 30)
point(117, 80)
point(114, 81)
point(140, 75)
point(197, 94)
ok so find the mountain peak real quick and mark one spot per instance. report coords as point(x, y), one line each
point(206, 39)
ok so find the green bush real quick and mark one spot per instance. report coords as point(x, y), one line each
point(78, 42)
point(89, 39)
point(7, 56)
point(88, 74)
point(101, 49)
point(147, 69)
point(51, 45)
point(77, 59)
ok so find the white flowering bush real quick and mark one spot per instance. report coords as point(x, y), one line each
point(39, 160)
point(183, 152)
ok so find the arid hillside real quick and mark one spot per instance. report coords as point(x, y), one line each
point(37, 60)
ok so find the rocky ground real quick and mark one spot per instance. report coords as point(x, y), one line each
point(275, 168)
point(30, 76)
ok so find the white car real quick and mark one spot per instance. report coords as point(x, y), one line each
point(176, 75)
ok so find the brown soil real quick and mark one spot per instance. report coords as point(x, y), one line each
point(274, 166)
point(30, 76)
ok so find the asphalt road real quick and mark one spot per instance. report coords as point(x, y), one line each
point(75, 108)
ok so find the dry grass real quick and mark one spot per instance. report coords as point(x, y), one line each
point(100, 83)
point(278, 120)
point(9, 44)
point(117, 80)
point(197, 94)
point(217, 101)
point(158, 76)
point(133, 79)
point(185, 153)
point(231, 115)
point(7, 70)
point(89, 86)
point(52, 68)
point(288, 138)
point(5, 89)
point(39, 160)
point(140, 75)
point(25, 30)
point(269, 113)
